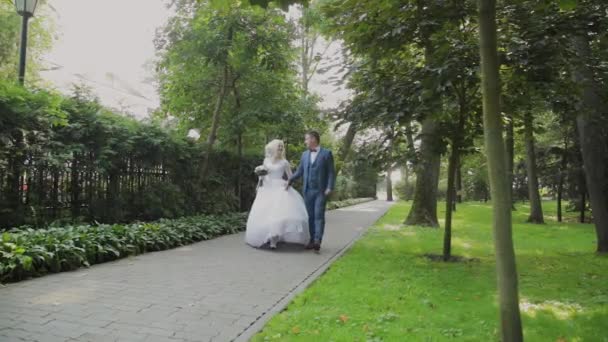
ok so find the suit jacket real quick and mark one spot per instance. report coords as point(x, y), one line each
point(318, 175)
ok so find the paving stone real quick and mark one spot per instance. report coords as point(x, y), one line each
point(212, 290)
point(91, 337)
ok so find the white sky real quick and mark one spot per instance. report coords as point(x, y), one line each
point(110, 44)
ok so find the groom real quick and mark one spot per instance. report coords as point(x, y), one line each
point(317, 168)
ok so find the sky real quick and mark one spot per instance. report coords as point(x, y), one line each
point(108, 45)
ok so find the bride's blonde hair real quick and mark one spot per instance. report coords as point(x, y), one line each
point(272, 149)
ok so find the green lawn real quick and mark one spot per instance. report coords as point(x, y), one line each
point(383, 290)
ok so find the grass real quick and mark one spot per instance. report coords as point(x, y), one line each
point(384, 290)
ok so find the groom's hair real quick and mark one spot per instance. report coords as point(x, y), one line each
point(315, 135)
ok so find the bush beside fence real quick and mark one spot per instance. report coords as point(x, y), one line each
point(26, 253)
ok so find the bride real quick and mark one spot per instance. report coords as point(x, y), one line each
point(277, 214)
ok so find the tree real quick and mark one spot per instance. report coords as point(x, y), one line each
point(232, 42)
point(536, 210)
point(510, 328)
point(591, 120)
point(398, 31)
point(313, 48)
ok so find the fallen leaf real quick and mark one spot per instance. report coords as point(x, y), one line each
point(295, 330)
point(343, 318)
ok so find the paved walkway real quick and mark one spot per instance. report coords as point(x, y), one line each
point(218, 290)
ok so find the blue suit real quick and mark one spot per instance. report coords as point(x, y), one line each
point(319, 176)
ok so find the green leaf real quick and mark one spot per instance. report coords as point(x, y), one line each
point(26, 261)
point(568, 5)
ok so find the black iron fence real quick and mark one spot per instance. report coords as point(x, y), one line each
point(36, 192)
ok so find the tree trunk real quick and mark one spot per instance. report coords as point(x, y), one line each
point(582, 187)
point(424, 207)
point(511, 154)
point(536, 209)
point(304, 56)
point(459, 182)
point(506, 270)
point(562, 175)
point(560, 191)
point(215, 122)
point(454, 188)
point(389, 185)
point(347, 142)
point(447, 235)
point(410, 142)
point(594, 146)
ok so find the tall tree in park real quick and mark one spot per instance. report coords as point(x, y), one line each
point(380, 88)
point(390, 31)
point(231, 40)
point(510, 328)
point(591, 119)
point(313, 46)
point(536, 209)
point(458, 55)
point(530, 72)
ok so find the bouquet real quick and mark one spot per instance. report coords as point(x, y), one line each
point(261, 170)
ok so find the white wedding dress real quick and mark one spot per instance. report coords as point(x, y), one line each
point(277, 215)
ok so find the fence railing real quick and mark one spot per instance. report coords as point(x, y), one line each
point(35, 192)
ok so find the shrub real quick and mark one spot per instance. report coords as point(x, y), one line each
point(28, 253)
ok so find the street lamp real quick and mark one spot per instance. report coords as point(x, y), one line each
point(26, 9)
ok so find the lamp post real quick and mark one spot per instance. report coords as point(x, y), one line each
point(26, 9)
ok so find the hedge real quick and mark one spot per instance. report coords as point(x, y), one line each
point(69, 159)
point(26, 253)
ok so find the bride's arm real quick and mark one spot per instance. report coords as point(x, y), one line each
point(288, 170)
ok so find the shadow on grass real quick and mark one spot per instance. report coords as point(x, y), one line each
point(453, 258)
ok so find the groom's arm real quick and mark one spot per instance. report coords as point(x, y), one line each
point(298, 174)
point(331, 173)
